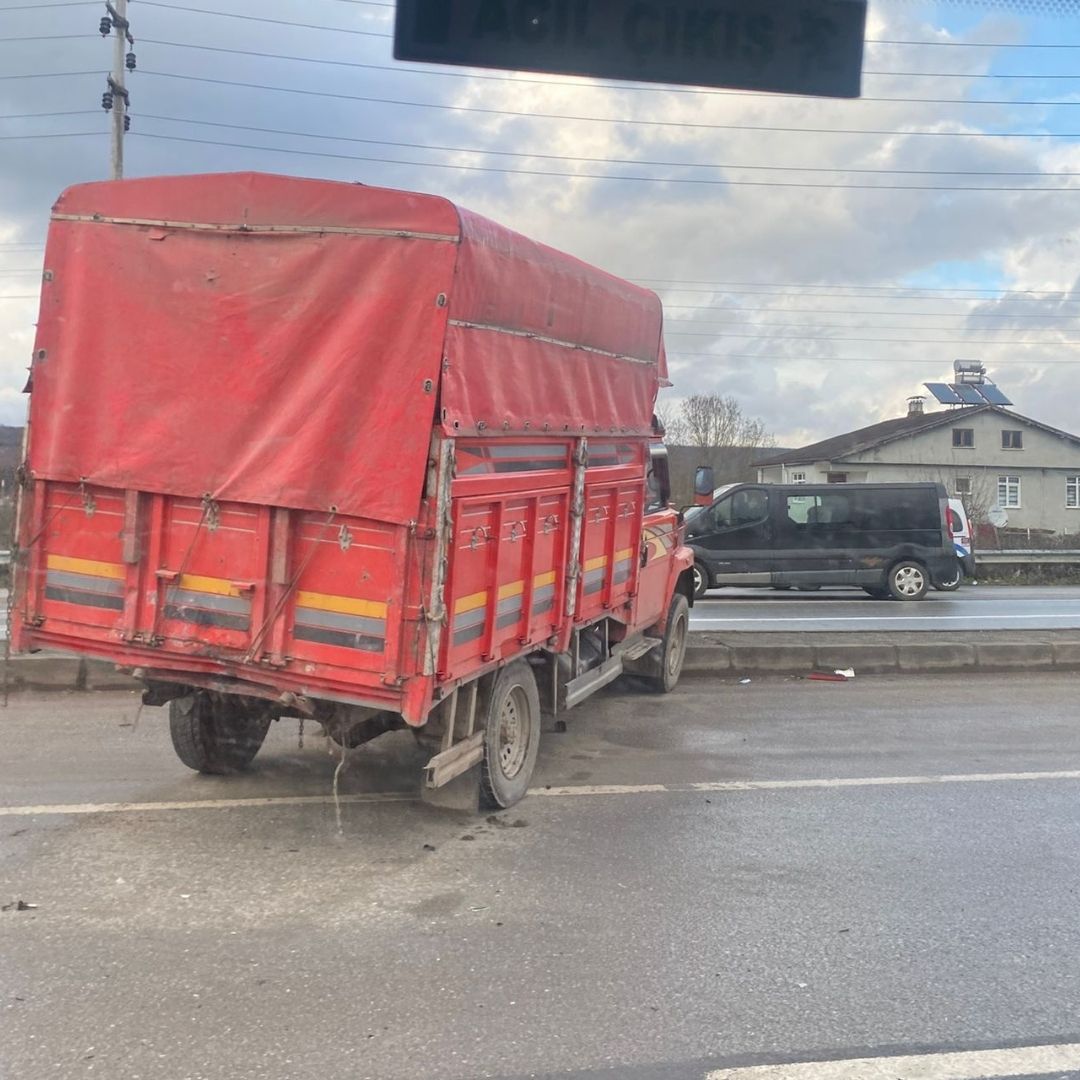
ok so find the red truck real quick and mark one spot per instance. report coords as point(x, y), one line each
point(322, 450)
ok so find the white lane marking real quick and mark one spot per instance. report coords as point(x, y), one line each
point(966, 1065)
point(202, 804)
point(545, 792)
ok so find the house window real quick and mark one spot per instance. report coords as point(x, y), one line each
point(963, 487)
point(836, 478)
point(963, 437)
point(1072, 492)
point(798, 478)
point(1009, 492)
point(1012, 440)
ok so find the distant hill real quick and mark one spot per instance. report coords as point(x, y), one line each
point(731, 464)
point(10, 454)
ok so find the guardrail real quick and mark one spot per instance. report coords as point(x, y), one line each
point(1022, 557)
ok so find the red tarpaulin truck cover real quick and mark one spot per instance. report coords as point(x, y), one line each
point(287, 342)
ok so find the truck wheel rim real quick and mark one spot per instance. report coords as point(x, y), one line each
point(678, 646)
point(515, 727)
point(699, 580)
point(909, 580)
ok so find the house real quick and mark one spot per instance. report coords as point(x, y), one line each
point(988, 455)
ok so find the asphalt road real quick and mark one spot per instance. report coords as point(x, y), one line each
point(885, 868)
point(972, 607)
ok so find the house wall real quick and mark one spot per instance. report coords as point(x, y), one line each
point(1043, 465)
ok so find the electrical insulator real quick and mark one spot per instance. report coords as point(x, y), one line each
point(105, 26)
point(127, 123)
point(129, 61)
point(107, 101)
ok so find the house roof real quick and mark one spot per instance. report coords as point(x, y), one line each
point(867, 438)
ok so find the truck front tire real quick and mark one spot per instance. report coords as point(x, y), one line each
point(215, 733)
point(511, 713)
point(673, 647)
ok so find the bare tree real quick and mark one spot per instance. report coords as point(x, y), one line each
point(715, 431)
point(670, 417)
point(716, 421)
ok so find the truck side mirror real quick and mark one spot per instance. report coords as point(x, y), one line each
point(703, 485)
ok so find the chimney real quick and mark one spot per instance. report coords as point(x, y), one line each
point(915, 405)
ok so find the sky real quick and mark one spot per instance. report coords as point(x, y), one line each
point(818, 259)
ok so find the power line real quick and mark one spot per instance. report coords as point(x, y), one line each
point(1015, 296)
point(388, 6)
point(38, 7)
point(601, 176)
point(881, 341)
point(50, 74)
point(36, 115)
point(832, 360)
point(541, 116)
point(606, 85)
point(259, 18)
point(51, 135)
point(45, 37)
point(855, 296)
point(971, 44)
point(707, 328)
point(657, 123)
point(851, 311)
point(846, 285)
point(599, 160)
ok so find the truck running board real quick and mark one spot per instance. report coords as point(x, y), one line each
point(577, 690)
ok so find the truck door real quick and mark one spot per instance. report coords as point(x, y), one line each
point(735, 537)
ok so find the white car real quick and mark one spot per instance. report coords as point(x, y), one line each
point(960, 528)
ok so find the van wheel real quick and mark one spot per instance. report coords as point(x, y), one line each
point(953, 582)
point(511, 712)
point(216, 733)
point(673, 648)
point(701, 581)
point(908, 581)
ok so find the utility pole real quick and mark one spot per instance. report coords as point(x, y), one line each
point(116, 99)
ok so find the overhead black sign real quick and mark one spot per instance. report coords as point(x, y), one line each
point(788, 46)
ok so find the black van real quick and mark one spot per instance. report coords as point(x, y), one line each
point(892, 539)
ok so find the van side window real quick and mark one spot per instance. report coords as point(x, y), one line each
point(748, 506)
point(819, 509)
point(799, 507)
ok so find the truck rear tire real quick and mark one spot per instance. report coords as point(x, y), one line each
point(511, 712)
point(215, 734)
point(673, 647)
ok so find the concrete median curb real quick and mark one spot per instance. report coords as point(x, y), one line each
point(711, 654)
point(910, 652)
point(51, 671)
